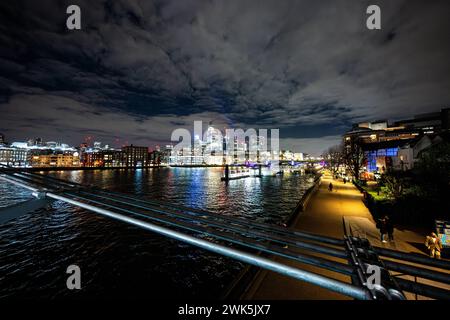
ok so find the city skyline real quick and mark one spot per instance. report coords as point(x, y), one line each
point(91, 141)
point(136, 72)
point(386, 145)
point(210, 149)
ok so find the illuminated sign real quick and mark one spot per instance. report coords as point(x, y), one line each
point(443, 232)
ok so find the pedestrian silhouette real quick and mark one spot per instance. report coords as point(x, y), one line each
point(389, 228)
point(330, 187)
point(382, 226)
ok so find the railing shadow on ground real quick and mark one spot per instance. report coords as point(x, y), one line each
point(245, 278)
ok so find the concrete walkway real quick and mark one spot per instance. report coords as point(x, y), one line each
point(324, 215)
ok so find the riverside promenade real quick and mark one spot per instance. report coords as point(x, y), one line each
point(324, 215)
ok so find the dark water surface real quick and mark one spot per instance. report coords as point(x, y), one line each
point(123, 261)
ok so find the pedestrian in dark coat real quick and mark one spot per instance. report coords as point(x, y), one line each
point(382, 226)
point(389, 228)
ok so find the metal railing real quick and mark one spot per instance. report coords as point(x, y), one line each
point(188, 225)
point(302, 275)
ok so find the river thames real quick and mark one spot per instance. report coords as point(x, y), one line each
point(123, 261)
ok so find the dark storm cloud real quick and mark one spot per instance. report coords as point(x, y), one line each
point(138, 69)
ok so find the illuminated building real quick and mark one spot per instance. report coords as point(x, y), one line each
point(262, 154)
point(135, 156)
point(213, 147)
point(166, 154)
point(38, 145)
point(196, 155)
point(102, 158)
point(382, 142)
point(35, 142)
point(16, 157)
point(428, 123)
point(113, 158)
point(51, 144)
point(208, 151)
point(186, 156)
point(217, 149)
point(409, 153)
point(92, 158)
point(228, 153)
point(298, 156)
point(55, 160)
point(381, 131)
point(379, 156)
point(240, 148)
point(35, 152)
point(167, 151)
point(176, 156)
point(286, 155)
point(156, 157)
point(98, 156)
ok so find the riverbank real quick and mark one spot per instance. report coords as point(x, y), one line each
point(324, 216)
point(49, 169)
point(46, 169)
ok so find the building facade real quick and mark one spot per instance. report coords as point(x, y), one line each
point(113, 158)
point(395, 146)
point(55, 160)
point(15, 157)
point(135, 156)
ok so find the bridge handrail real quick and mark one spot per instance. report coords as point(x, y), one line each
point(322, 281)
point(412, 258)
point(273, 228)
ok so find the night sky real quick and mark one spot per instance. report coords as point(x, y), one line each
point(139, 69)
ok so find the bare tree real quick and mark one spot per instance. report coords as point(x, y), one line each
point(354, 156)
point(335, 157)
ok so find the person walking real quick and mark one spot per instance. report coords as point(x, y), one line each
point(434, 245)
point(389, 228)
point(330, 187)
point(382, 226)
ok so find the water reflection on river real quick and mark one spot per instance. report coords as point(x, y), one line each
point(122, 261)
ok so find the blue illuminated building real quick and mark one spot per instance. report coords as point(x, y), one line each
point(373, 158)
